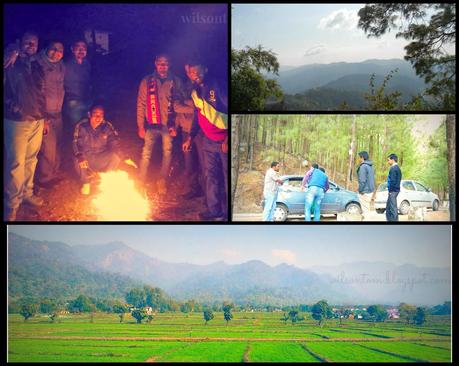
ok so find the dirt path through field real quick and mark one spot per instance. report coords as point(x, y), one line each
point(156, 357)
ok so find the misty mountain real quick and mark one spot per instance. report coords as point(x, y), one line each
point(115, 267)
point(312, 76)
point(52, 269)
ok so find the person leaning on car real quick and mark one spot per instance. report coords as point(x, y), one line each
point(366, 178)
point(393, 187)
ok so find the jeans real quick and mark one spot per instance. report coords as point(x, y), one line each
point(22, 141)
point(104, 161)
point(314, 197)
point(193, 163)
point(215, 171)
point(49, 156)
point(270, 206)
point(74, 111)
point(152, 135)
point(391, 207)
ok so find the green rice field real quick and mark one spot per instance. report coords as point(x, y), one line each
point(249, 337)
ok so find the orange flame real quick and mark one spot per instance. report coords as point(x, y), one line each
point(118, 199)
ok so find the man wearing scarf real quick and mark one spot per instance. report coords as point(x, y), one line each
point(155, 118)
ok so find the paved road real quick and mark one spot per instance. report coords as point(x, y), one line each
point(441, 215)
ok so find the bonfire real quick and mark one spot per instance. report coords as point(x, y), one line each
point(119, 200)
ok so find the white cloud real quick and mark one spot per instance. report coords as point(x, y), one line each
point(315, 50)
point(342, 19)
point(284, 254)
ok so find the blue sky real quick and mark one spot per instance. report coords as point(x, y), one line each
point(310, 33)
point(303, 246)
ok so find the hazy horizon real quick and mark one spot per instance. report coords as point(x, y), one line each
point(304, 34)
point(422, 246)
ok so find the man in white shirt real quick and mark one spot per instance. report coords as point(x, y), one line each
point(270, 191)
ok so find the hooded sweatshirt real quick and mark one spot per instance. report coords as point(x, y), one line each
point(366, 177)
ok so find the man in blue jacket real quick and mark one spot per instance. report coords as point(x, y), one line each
point(393, 188)
point(317, 183)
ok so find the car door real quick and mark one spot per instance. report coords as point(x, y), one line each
point(409, 193)
point(332, 201)
point(424, 196)
point(292, 194)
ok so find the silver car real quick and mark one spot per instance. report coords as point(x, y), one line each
point(412, 194)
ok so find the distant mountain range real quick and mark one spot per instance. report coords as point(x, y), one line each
point(327, 86)
point(45, 268)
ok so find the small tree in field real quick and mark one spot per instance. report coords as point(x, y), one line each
point(149, 318)
point(139, 315)
point(227, 312)
point(420, 316)
point(28, 310)
point(120, 309)
point(208, 315)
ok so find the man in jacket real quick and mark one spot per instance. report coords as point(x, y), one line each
point(155, 118)
point(24, 112)
point(270, 191)
point(211, 117)
point(366, 178)
point(393, 187)
point(53, 67)
point(96, 147)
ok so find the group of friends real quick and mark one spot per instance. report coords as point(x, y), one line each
point(42, 93)
point(315, 184)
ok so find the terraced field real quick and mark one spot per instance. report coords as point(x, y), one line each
point(249, 337)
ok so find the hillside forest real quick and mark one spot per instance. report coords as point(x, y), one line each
point(334, 141)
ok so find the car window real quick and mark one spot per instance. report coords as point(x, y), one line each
point(293, 184)
point(382, 187)
point(409, 186)
point(421, 187)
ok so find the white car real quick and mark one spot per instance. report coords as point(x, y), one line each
point(412, 194)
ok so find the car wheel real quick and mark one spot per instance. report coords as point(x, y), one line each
point(380, 210)
point(353, 208)
point(435, 205)
point(404, 208)
point(280, 213)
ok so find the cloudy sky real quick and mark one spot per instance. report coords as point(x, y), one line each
point(303, 246)
point(310, 33)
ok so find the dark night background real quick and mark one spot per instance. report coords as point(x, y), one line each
point(137, 33)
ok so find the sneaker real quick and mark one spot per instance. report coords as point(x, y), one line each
point(11, 214)
point(33, 201)
point(85, 189)
point(206, 216)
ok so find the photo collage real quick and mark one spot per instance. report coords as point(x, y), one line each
point(229, 182)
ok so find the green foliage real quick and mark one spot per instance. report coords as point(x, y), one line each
point(407, 312)
point(139, 315)
point(430, 40)
point(28, 310)
point(321, 311)
point(227, 315)
point(443, 309)
point(249, 88)
point(378, 99)
point(208, 315)
point(377, 313)
point(120, 309)
point(295, 316)
point(420, 316)
point(82, 304)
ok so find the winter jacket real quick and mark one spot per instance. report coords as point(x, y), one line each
point(394, 178)
point(165, 99)
point(24, 97)
point(366, 177)
point(89, 141)
point(54, 83)
point(211, 102)
point(319, 179)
